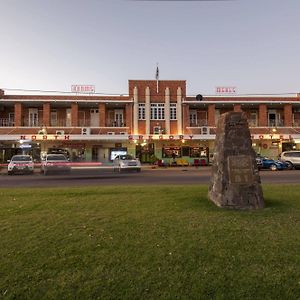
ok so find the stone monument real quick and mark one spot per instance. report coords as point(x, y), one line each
point(235, 181)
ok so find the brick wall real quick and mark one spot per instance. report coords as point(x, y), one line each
point(18, 114)
point(211, 115)
point(262, 115)
point(46, 114)
point(288, 115)
point(74, 113)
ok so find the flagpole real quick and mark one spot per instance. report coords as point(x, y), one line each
point(157, 77)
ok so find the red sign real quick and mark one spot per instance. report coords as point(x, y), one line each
point(83, 89)
point(225, 90)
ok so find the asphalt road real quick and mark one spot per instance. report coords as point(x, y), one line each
point(106, 176)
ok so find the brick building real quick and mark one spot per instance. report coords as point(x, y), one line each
point(155, 120)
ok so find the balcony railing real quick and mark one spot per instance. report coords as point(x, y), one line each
point(6, 123)
point(198, 123)
point(275, 123)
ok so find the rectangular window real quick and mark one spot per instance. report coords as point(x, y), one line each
point(157, 111)
point(142, 112)
point(173, 111)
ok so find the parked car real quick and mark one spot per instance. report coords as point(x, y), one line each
point(57, 163)
point(268, 163)
point(20, 164)
point(291, 158)
point(126, 162)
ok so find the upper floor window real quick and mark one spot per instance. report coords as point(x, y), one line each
point(157, 111)
point(142, 114)
point(173, 111)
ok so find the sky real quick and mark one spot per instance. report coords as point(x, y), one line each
point(253, 45)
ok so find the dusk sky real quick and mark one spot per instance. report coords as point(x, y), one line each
point(253, 45)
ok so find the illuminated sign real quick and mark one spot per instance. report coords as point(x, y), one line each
point(88, 89)
point(225, 90)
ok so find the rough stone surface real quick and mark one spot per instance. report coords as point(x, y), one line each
point(235, 181)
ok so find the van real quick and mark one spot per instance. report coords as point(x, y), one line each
point(292, 158)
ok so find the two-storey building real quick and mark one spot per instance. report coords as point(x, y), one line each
point(155, 120)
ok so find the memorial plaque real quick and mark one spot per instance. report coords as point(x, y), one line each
point(240, 169)
point(235, 181)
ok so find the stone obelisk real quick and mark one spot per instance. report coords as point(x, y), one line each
point(235, 181)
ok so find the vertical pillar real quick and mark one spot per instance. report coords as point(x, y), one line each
point(135, 111)
point(211, 122)
point(262, 115)
point(128, 112)
point(46, 114)
point(179, 111)
point(288, 115)
point(18, 114)
point(167, 110)
point(147, 109)
point(74, 114)
point(237, 108)
point(186, 117)
point(102, 114)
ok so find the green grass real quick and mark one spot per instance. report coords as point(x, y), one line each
point(151, 242)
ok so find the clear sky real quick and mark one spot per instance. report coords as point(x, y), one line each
point(253, 45)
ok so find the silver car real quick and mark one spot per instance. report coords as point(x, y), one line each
point(21, 164)
point(57, 163)
point(126, 162)
point(291, 158)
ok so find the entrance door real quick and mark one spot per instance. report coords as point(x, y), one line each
point(53, 118)
point(68, 117)
point(94, 117)
point(272, 119)
point(119, 117)
point(193, 118)
point(33, 118)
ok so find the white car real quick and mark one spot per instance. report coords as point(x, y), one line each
point(55, 163)
point(20, 164)
point(126, 162)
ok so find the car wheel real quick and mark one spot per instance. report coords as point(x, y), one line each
point(290, 166)
point(273, 167)
point(9, 173)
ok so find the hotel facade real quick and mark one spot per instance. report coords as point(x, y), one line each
point(154, 121)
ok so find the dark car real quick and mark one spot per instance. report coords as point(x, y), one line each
point(271, 164)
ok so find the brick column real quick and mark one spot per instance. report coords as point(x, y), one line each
point(288, 115)
point(185, 117)
point(74, 114)
point(262, 115)
point(18, 114)
point(211, 115)
point(128, 112)
point(102, 115)
point(46, 114)
point(237, 107)
point(179, 111)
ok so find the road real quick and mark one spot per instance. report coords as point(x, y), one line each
point(106, 176)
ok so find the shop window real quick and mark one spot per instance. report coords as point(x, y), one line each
point(168, 152)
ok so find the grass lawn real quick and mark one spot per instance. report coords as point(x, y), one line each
point(151, 242)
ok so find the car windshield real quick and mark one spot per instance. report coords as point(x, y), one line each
point(21, 158)
point(126, 157)
point(56, 157)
